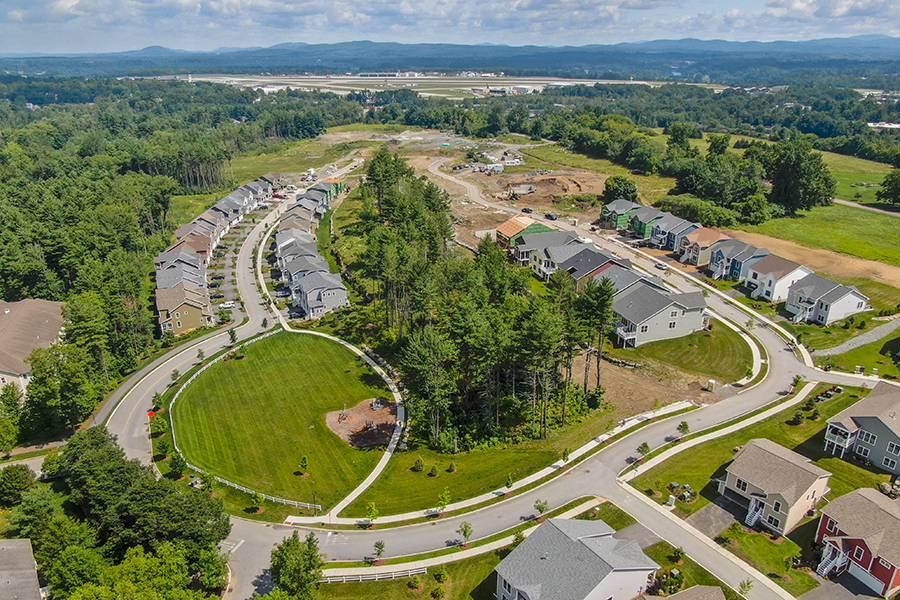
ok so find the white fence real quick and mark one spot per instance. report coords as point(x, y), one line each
point(372, 576)
point(222, 480)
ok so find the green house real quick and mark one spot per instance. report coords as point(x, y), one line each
point(642, 221)
point(533, 228)
point(617, 214)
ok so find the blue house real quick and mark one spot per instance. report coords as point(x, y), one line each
point(730, 259)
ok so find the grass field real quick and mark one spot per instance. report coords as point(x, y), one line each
point(856, 176)
point(662, 554)
point(610, 514)
point(841, 229)
point(290, 157)
point(769, 557)
point(251, 419)
point(708, 460)
point(720, 353)
point(874, 355)
point(184, 209)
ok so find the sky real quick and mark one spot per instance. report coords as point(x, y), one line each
point(32, 26)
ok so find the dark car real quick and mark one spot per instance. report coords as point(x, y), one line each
point(216, 277)
point(217, 296)
point(551, 216)
point(527, 210)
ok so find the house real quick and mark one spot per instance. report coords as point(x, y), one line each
point(24, 326)
point(18, 571)
point(771, 277)
point(587, 262)
point(696, 247)
point(319, 293)
point(642, 220)
point(617, 214)
point(317, 196)
point(623, 278)
point(731, 259)
point(183, 308)
point(301, 266)
point(195, 242)
point(647, 314)
point(668, 231)
point(295, 250)
point(574, 560)
point(861, 536)
point(869, 428)
point(697, 592)
point(284, 237)
point(777, 486)
point(528, 247)
point(818, 300)
point(510, 228)
point(545, 261)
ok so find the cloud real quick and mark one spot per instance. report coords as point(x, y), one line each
point(85, 25)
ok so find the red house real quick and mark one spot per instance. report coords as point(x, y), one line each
point(861, 533)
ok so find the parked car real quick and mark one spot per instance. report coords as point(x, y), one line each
point(217, 277)
point(527, 210)
point(229, 304)
point(662, 266)
point(551, 216)
point(216, 296)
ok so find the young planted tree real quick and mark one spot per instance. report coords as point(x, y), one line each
point(541, 506)
point(465, 531)
point(371, 513)
point(684, 428)
point(200, 355)
point(232, 337)
point(303, 467)
point(258, 500)
point(378, 549)
point(443, 500)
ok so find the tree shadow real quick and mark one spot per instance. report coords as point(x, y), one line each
point(263, 583)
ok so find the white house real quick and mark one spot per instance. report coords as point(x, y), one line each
point(818, 300)
point(771, 278)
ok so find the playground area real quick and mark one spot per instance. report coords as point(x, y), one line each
point(369, 424)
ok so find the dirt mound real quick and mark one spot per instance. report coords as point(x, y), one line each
point(369, 424)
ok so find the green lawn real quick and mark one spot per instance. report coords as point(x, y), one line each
point(374, 128)
point(693, 574)
point(290, 157)
point(251, 419)
point(874, 355)
point(702, 463)
point(856, 176)
point(650, 187)
point(841, 229)
point(610, 514)
point(720, 353)
point(768, 556)
point(469, 579)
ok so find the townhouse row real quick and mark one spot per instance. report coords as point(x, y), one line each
point(645, 308)
point(314, 290)
point(859, 532)
point(182, 294)
point(808, 297)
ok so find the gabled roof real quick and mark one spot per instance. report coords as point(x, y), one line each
point(620, 206)
point(18, 571)
point(185, 255)
point(868, 514)
point(640, 302)
point(292, 234)
point(705, 236)
point(730, 247)
point(184, 293)
point(775, 265)
point(320, 281)
point(689, 300)
point(24, 326)
point(622, 278)
point(668, 222)
point(585, 261)
point(560, 254)
point(513, 226)
point(882, 403)
point(299, 249)
point(567, 559)
point(816, 287)
point(545, 239)
point(645, 214)
point(315, 195)
point(774, 469)
point(306, 263)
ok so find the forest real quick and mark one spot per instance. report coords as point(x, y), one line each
point(486, 360)
point(87, 169)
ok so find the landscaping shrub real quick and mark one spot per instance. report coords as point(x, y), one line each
point(433, 472)
point(419, 465)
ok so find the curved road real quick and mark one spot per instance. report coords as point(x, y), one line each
point(250, 542)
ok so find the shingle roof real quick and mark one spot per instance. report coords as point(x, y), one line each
point(690, 300)
point(566, 559)
point(585, 261)
point(775, 265)
point(668, 222)
point(315, 195)
point(645, 214)
point(18, 572)
point(318, 281)
point(560, 254)
point(774, 469)
point(24, 326)
point(285, 236)
point(730, 247)
point(545, 239)
point(814, 286)
point(306, 263)
point(705, 236)
point(639, 303)
point(182, 293)
point(622, 277)
point(868, 514)
point(882, 403)
point(620, 206)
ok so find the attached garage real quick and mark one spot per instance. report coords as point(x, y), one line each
point(867, 578)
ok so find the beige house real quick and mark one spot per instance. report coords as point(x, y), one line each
point(778, 486)
point(696, 247)
point(183, 308)
point(24, 326)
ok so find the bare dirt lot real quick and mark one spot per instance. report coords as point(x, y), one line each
point(839, 265)
point(363, 427)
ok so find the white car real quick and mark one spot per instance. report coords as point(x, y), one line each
point(662, 266)
point(229, 304)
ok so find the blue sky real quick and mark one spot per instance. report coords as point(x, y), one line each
point(105, 25)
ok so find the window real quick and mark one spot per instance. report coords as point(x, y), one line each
point(506, 586)
point(773, 521)
point(884, 563)
point(671, 324)
point(741, 485)
point(777, 506)
point(859, 304)
point(831, 527)
point(858, 553)
point(868, 438)
point(864, 452)
point(753, 275)
point(893, 448)
point(890, 463)
point(674, 313)
point(644, 328)
point(178, 324)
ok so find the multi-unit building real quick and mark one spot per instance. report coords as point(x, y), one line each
point(771, 278)
point(574, 560)
point(668, 231)
point(860, 533)
point(695, 248)
point(869, 429)
point(818, 300)
point(642, 220)
point(732, 259)
point(542, 252)
point(24, 326)
point(777, 486)
point(617, 214)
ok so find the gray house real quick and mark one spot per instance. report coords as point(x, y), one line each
point(320, 293)
point(18, 571)
point(669, 230)
point(574, 560)
point(647, 314)
point(870, 429)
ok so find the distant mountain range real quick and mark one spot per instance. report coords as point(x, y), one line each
point(852, 60)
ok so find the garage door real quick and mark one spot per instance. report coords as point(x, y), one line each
point(867, 578)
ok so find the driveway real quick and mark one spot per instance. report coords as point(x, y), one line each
point(715, 517)
point(845, 587)
point(638, 533)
